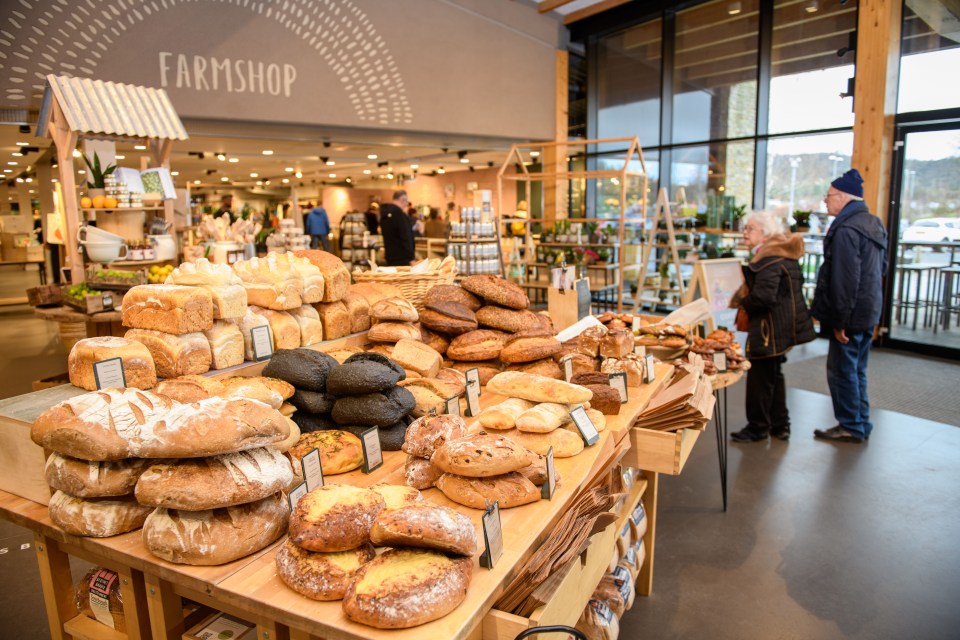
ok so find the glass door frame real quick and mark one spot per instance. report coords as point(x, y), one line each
point(946, 120)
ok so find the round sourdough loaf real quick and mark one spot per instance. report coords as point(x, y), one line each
point(215, 536)
point(452, 293)
point(510, 490)
point(547, 367)
point(426, 434)
point(480, 455)
point(340, 451)
point(481, 344)
point(138, 367)
point(487, 369)
point(496, 290)
point(320, 576)
point(393, 332)
point(509, 320)
point(397, 495)
point(449, 318)
point(358, 378)
point(436, 341)
point(455, 379)
point(219, 481)
point(374, 409)
point(96, 517)
point(86, 479)
point(190, 388)
point(303, 368)
point(529, 346)
point(394, 310)
point(312, 401)
point(407, 587)
point(426, 526)
point(335, 517)
point(420, 473)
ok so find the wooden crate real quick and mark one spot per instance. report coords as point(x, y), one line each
point(660, 451)
point(93, 303)
point(52, 381)
point(46, 295)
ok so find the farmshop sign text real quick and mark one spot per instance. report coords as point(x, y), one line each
point(201, 73)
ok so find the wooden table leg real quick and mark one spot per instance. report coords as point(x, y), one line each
point(57, 585)
point(645, 579)
point(271, 630)
point(165, 608)
point(135, 607)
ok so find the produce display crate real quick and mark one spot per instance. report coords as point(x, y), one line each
point(91, 303)
point(115, 279)
point(46, 295)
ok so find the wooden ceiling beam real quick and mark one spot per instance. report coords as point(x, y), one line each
point(549, 5)
point(592, 10)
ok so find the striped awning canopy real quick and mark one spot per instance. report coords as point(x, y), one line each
point(93, 107)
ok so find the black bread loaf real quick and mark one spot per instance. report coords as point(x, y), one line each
point(360, 378)
point(303, 368)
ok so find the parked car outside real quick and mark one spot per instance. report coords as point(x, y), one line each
point(933, 230)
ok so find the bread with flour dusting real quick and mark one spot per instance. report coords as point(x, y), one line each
point(96, 517)
point(129, 423)
point(217, 481)
point(427, 526)
point(320, 576)
point(215, 536)
point(87, 479)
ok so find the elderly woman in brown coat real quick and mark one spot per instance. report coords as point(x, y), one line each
point(772, 310)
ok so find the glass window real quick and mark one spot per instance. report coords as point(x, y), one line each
point(608, 189)
point(928, 60)
point(800, 169)
point(714, 173)
point(715, 71)
point(628, 85)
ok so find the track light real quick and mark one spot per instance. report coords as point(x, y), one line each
point(25, 128)
point(734, 8)
point(326, 144)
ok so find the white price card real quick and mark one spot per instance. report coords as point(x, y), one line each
point(546, 491)
point(372, 455)
point(619, 382)
point(651, 372)
point(567, 367)
point(563, 278)
point(585, 426)
point(262, 341)
point(636, 325)
point(492, 536)
point(720, 360)
point(107, 301)
point(296, 493)
point(473, 393)
point(312, 470)
point(108, 374)
point(640, 350)
point(452, 406)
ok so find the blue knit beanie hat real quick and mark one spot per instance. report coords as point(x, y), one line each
point(851, 182)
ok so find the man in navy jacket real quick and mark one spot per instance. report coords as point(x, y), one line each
point(848, 301)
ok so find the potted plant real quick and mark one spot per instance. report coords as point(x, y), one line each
point(603, 255)
point(95, 178)
point(609, 234)
point(591, 229)
point(803, 219)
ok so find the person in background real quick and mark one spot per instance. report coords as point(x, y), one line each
point(451, 211)
point(305, 212)
point(771, 309)
point(372, 217)
point(435, 227)
point(318, 228)
point(226, 207)
point(415, 222)
point(848, 301)
point(397, 231)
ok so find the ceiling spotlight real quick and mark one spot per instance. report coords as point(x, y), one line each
point(285, 181)
point(289, 169)
point(465, 160)
point(234, 159)
point(267, 152)
point(196, 182)
point(349, 180)
point(332, 175)
point(17, 154)
point(140, 147)
point(441, 170)
point(224, 179)
point(254, 175)
point(371, 156)
point(13, 163)
point(22, 144)
point(389, 176)
point(299, 174)
point(174, 173)
point(19, 179)
point(220, 156)
point(811, 7)
point(734, 8)
point(414, 166)
point(367, 172)
point(266, 182)
point(259, 182)
point(329, 163)
point(120, 157)
point(534, 154)
point(76, 153)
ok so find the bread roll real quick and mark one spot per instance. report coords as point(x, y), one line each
point(480, 455)
point(271, 391)
point(505, 414)
point(392, 332)
point(425, 526)
point(397, 495)
point(481, 344)
point(529, 346)
point(335, 517)
point(340, 451)
point(215, 536)
point(452, 293)
point(175, 355)
point(96, 517)
point(509, 320)
point(358, 310)
point(543, 418)
point(168, 307)
point(406, 587)
point(335, 319)
point(420, 473)
point(320, 576)
point(449, 318)
point(394, 310)
point(225, 287)
point(416, 356)
point(226, 344)
point(496, 290)
point(271, 282)
point(311, 329)
point(510, 490)
point(138, 367)
point(336, 278)
point(426, 434)
point(190, 388)
point(565, 443)
point(86, 479)
point(537, 388)
point(285, 330)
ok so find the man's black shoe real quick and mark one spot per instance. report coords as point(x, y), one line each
point(747, 435)
point(781, 435)
point(837, 434)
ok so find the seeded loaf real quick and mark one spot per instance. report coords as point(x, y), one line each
point(168, 307)
point(504, 415)
point(537, 388)
point(497, 291)
point(335, 517)
point(407, 587)
point(226, 289)
point(86, 479)
point(426, 434)
point(336, 278)
point(359, 311)
point(416, 356)
point(335, 319)
point(510, 490)
point(448, 318)
point(480, 455)
point(451, 293)
point(425, 526)
point(215, 536)
point(340, 451)
point(320, 576)
point(175, 355)
point(96, 517)
point(139, 369)
point(420, 473)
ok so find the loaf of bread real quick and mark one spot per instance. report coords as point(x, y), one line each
point(416, 356)
point(407, 587)
point(487, 369)
point(287, 443)
point(335, 319)
point(504, 415)
point(361, 377)
point(481, 344)
point(590, 377)
point(598, 419)
point(96, 517)
point(168, 307)
point(510, 490)
point(272, 282)
point(393, 332)
point(373, 292)
point(320, 576)
point(451, 293)
point(339, 451)
point(175, 355)
point(358, 310)
point(340, 355)
point(215, 536)
point(303, 368)
point(98, 596)
point(543, 418)
point(87, 479)
point(605, 399)
point(285, 330)
point(189, 388)
point(226, 344)
point(547, 367)
point(250, 320)
point(565, 443)
point(617, 343)
point(374, 409)
point(335, 517)
point(630, 364)
point(225, 287)
point(139, 370)
point(426, 434)
point(528, 346)
point(425, 526)
point(537, 388)
point(394, 310)
point(420, 473)
point(509, 320)
point(480, 455)
point(336, 278)
point(430, 395)
point(114, 424)
point(588, 342)
point(311, 329)
point(271, 391)
point(449, 318)
point(454, 379)
point(313, 280)
point(497, 291)
point(536, 471)
point(397, 495)
point(598, 622)
point(436, 341)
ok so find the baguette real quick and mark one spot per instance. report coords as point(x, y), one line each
point(537, 388)
point(96, 517)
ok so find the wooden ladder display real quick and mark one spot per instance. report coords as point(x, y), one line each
point(661, 211)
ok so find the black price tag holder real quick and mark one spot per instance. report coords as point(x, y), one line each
point(720, 361)
point(473, 392)
point(452, 406)
point(312, 469)
point(585, 426)
point(492, 536)
point(296, 493)
point(546, 491)
point(619, 382)
point(651, 373)
point(109, 374)
point(262, 340)
point(372, 455)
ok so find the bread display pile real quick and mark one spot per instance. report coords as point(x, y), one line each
point(116, 467)
point(393, 319)
point(138, 367)
point(270, 391)
point(423, 437)
point(721, 341)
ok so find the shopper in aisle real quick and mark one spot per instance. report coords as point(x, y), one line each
point(435, 227)
point(451, 213)
point(416, 223)
point(771, 309)
point(372, 217)
point(226, 207)
point(397, 231)
point(848, 302)
point(317, 227)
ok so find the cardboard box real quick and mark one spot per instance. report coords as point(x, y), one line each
point(35, 253)
point(220, 625)
point(16, 224)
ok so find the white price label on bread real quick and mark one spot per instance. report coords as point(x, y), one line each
point(588, 431)
point(296, 493)
point(109, 374)
point(619, 382)
point(452, 406)
point(262, 341)
point(372, 455)
point(567, 367)
point(312, 470)
point(492, 536)
point(651, 372)
point(473, 392)
point(720, 361)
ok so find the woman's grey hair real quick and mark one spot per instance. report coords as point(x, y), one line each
point(768, 222)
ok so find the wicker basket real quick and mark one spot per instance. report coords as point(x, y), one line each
point(414, 286)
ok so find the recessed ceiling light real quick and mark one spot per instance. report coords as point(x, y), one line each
point(221, 157)
point(140, 147)
point(234, 159)
point(367, 172)
point(53, 179)
point(299, 174)
point(371, 156)
point(811, 7)
point(414, 166)
point(734, 8)
point(330, 163)
point(267, 152)
point(82, 171)
point(19, 179)
point(534, 154)
point(465, 160)
point(289, 169)
point(23, 144)
point(17, 154)
point(389, 176)
point(224, 179)
point(259, 182)
point(29, 180)
point(266, 182)
point(196, 182)
point(174, 173)
point(441, 170)
point(331, 175)
point(349, 180)
point(8, 170)
point(120, 157)
point(254, 175)
point(285, 181)
point(76, 153)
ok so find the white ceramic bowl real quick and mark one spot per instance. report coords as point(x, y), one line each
point(95, 234)
point(104, 251)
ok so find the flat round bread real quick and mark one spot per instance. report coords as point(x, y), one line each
point(340, 451)
point(335, 517)
point(320, 576)
point(397, 495)
point(427, 526)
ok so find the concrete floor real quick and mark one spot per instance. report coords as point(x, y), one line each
point(820, 541)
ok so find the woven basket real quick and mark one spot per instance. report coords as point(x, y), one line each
point(414, 286)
